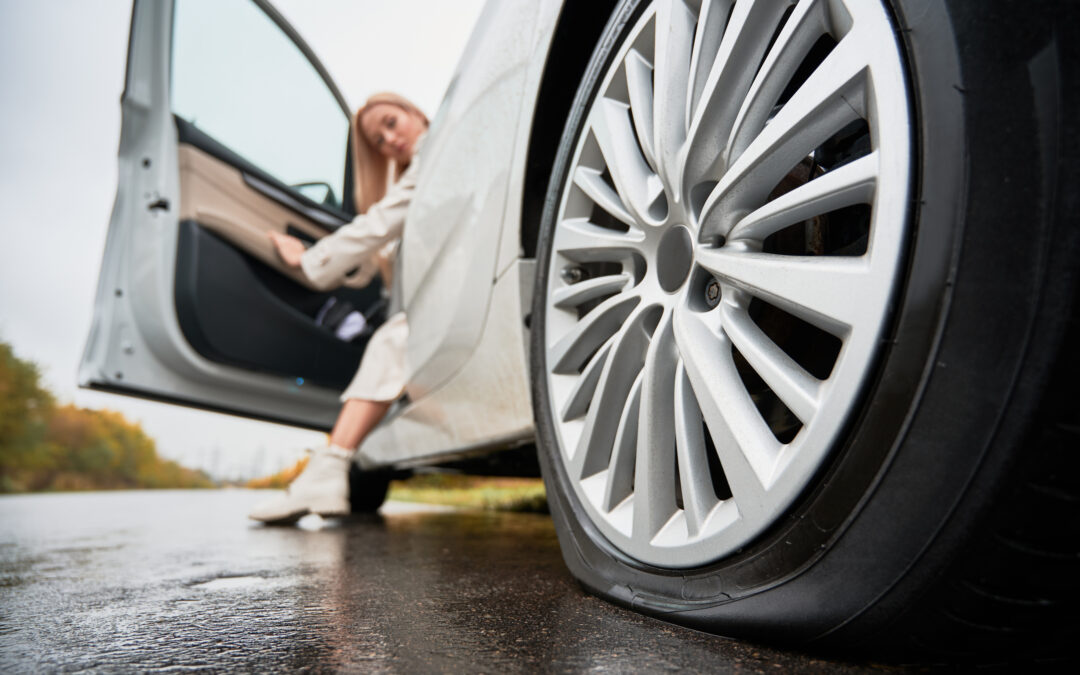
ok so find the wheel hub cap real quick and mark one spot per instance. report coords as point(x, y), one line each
point(673, 258)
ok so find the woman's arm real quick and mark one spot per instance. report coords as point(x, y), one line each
point(328, 262)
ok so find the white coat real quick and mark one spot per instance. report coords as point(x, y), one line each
point(362, 247)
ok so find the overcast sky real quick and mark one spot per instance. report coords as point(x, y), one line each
point(61, 75)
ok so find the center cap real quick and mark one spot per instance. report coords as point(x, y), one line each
point(673, 258)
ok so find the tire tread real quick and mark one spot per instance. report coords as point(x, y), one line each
point(1014, 592)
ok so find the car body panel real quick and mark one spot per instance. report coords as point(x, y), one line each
point(486, 405)
point(472, 159)
point(465, 287)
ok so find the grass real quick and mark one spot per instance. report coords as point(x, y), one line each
point(472, 492)
point(524, 495)
point(279, 480)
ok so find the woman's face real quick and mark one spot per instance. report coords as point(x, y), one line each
point(392, 131)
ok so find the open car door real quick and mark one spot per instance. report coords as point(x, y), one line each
point(231, 129)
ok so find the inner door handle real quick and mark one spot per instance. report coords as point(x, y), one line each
point(302, 235)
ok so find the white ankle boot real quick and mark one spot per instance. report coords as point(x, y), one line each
point(322, 488)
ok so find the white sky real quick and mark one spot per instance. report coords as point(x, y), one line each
point(61, 76)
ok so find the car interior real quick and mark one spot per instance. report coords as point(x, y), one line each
point(236, 302)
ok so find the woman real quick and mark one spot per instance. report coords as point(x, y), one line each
point(387, 132)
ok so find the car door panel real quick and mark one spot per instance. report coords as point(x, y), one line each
point(326, 217)
point(233, 310)
point(216, 196)
point(236, 301)
point(193, 304)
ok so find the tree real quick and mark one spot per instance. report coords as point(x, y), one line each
point(25, 410)
point(48, 447)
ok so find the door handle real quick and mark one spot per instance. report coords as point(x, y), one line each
point(302, 235)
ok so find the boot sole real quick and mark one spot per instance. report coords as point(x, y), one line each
point(331, 508)
point(283, 520)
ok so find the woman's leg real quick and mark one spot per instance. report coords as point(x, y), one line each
point(323, 486)
point(356, 420)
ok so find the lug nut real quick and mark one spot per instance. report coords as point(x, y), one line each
point(572, 275)
point(712, 293)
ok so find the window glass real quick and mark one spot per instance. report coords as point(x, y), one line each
point(238, 78)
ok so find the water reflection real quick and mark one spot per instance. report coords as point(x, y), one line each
point(137, 581)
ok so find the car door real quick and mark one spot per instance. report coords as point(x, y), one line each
point(230, 129)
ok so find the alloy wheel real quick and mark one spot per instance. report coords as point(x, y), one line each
point(728, 239)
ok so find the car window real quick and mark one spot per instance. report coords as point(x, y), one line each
point(239, 79)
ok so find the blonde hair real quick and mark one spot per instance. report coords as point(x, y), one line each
point(372, 172)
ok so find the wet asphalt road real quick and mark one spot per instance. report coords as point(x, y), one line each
point(180, 580)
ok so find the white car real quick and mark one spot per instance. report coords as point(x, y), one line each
point(791, 287)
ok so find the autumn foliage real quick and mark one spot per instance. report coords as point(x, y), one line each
point(281, 479)
point(44, 446)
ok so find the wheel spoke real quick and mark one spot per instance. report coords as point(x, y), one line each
point(639, 74)
point(577, 403)
point(798, 389)
point(746, 448)
point(824, 291)
point(674, 37)
point(637, 185)
point(690, 448)
point(594, 187)
point(578, 294)
point(654, 465)
point(582, 241)
point(570, 353)
point(616, 378)
point(829, 99)
point(850, 184)
point(807, 23)
point(620, 478)
point(728, 81)
point(712, 19)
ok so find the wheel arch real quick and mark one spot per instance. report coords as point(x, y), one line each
point(579, 27)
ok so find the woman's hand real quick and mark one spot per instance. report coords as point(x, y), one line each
point(290, 249)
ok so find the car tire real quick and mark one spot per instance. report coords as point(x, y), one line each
point(367, 489)
point(937, 518)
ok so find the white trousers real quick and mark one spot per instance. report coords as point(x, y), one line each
point(382, 372)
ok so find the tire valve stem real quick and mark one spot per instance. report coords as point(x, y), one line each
point(572, 275)
point(712, 293)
